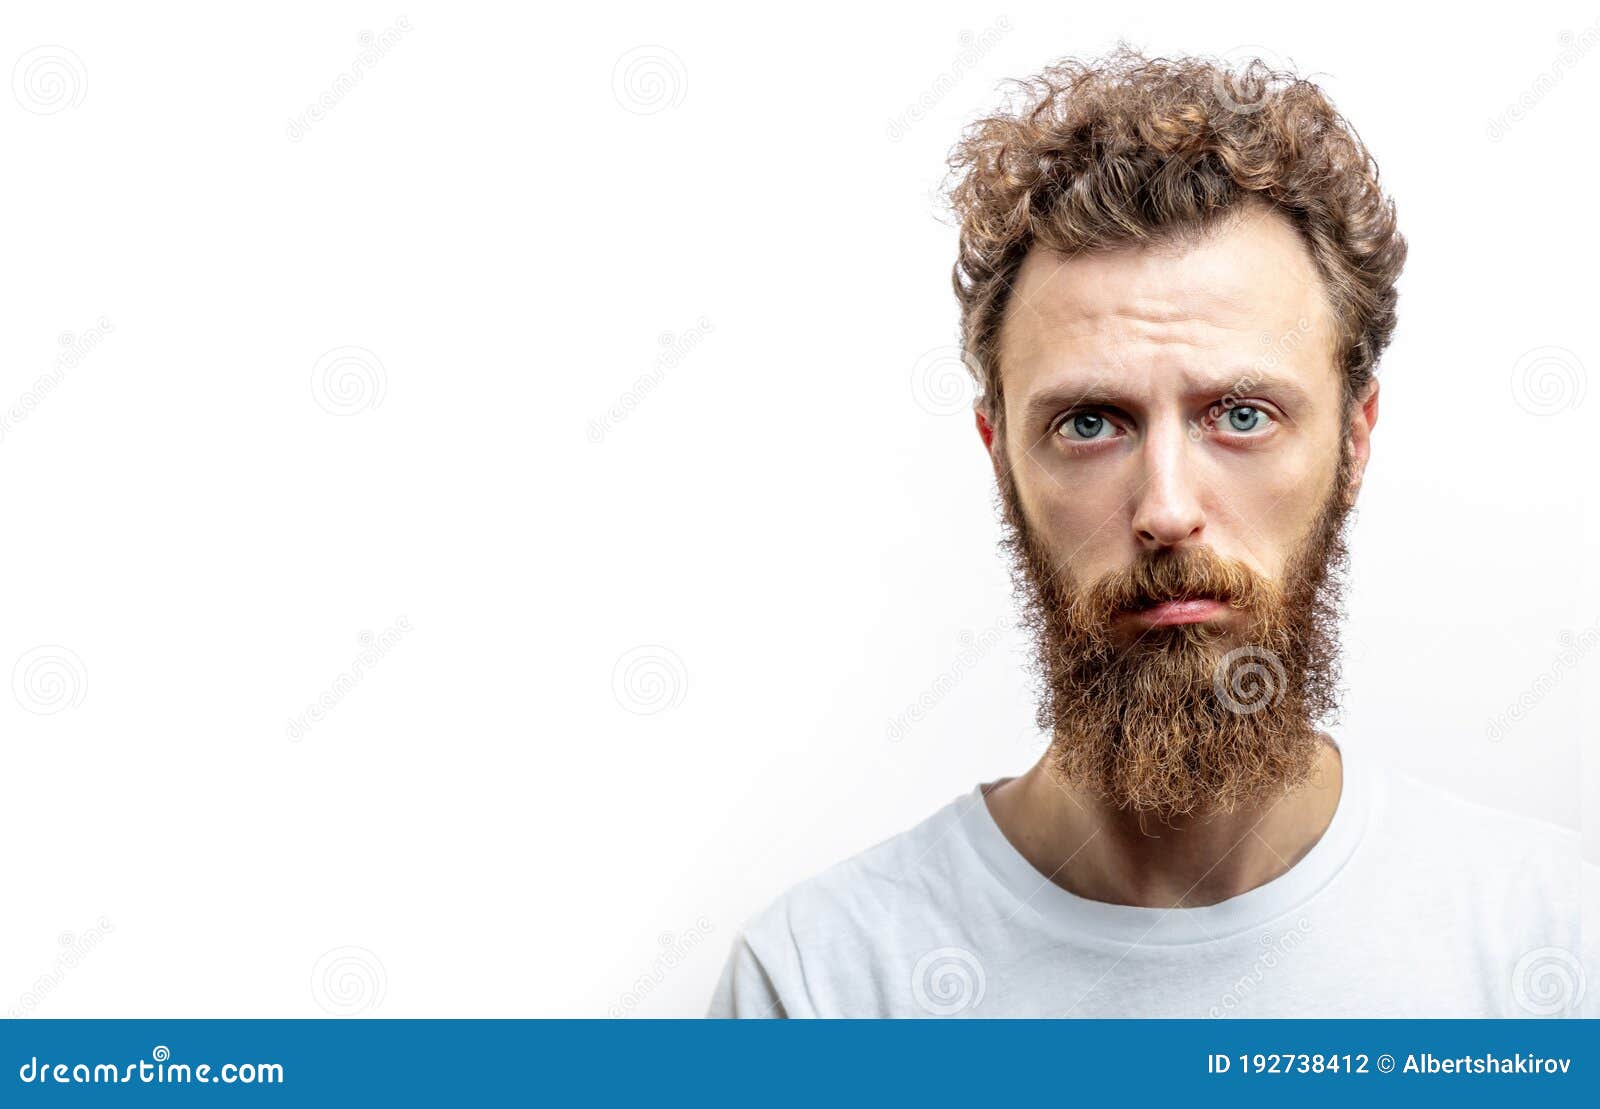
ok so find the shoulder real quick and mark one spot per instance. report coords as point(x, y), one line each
point(862, 891)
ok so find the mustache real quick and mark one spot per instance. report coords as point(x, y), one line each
point(1159, 577)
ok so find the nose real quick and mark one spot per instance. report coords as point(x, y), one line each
point(1167, 511)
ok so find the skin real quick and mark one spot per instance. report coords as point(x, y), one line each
point(1171, 347)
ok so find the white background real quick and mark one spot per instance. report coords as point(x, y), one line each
point(781, 546)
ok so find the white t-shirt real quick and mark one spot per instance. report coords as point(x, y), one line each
point(1413, 903)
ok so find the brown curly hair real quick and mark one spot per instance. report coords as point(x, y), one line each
point(1135, 150)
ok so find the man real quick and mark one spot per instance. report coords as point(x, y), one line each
point(1176, 281)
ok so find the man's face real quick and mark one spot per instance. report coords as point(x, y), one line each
point(1176, 460)
point(1173, 398)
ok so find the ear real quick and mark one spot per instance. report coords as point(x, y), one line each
point(987, 431)
point(1363, 418)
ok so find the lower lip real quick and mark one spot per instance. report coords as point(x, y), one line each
point(1180, 612)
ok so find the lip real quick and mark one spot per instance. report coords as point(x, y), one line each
point(1180, 612)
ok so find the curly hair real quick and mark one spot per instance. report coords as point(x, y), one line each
point(1130, 150)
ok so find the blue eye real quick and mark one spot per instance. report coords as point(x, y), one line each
point(1084, 427)
point(1247, 420)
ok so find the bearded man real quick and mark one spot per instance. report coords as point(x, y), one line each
point(1176, 280)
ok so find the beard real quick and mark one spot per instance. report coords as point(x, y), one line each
point(1190, 718)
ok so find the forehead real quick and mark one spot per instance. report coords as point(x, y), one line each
point(1244, 295)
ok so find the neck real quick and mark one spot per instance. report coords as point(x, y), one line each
point(1097, 851)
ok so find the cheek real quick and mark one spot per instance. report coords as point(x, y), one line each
point(1085, 528)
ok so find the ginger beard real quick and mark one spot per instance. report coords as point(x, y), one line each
point(1191, 718)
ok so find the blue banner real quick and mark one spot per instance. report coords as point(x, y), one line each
point(760, 1063)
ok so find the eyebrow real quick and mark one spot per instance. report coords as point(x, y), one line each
point(1104, 393)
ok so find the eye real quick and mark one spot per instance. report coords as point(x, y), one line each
point(1246, 419)
point(1085, 427)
